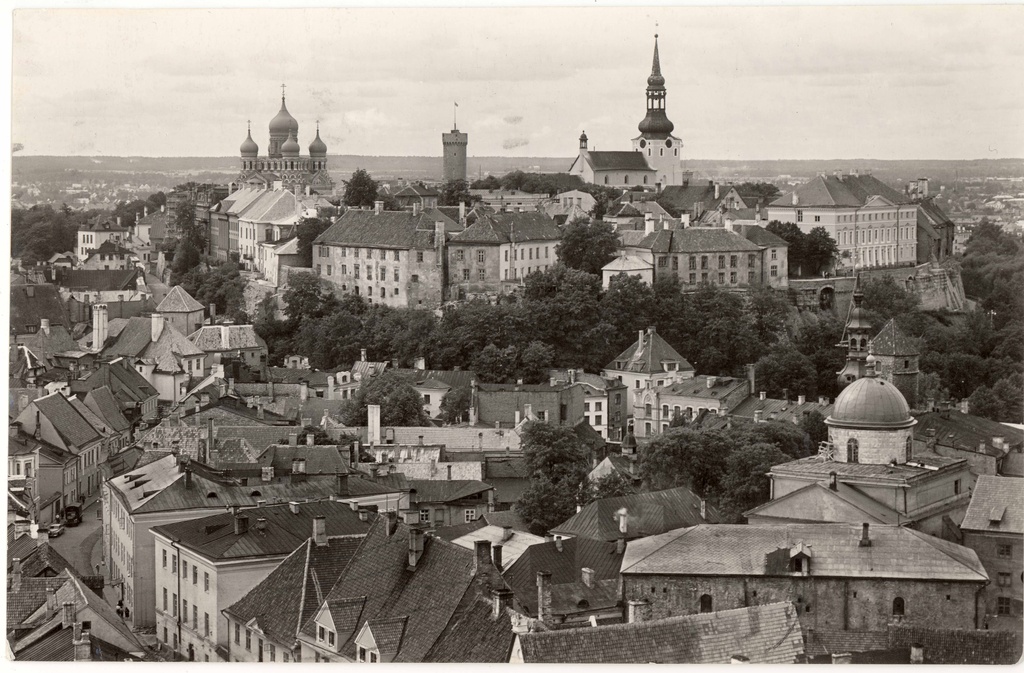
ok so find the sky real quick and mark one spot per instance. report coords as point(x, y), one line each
point(794, 82)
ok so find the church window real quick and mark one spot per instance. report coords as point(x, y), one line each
point(853, 343)
point(647, 410)
point(910, 448)
point(852, 450)
point(675, 152)
point(705, 603)
point(863, 343)
point(899, 606)
point(645, 179)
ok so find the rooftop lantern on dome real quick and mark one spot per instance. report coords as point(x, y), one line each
point(583, 140)
point(656, 124)
point(317, 148)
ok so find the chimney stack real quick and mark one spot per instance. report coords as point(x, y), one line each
point(483, 555)
point(241, 524)
point(81, 643)
point(415, 547)
point(501, 599)
point(833, 484)
point(70, 612)
point(303, 390)
point(865, 541)
point(373, 423)
point(330, 386)
point(648, 223)
point(496, 555)
point(587, 575)
point(703, 509)
point(156, 327)
point(639, 611)
point(319, 530)
point(293, 439)
point(16, 575)
point(310, 439)
point(378, 207)
point(51, 603)
point(362, 355)
point(544, 597)
point(415, 209)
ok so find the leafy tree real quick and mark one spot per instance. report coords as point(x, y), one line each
point(796, 252)
point(557, 461)
point(745, 484)
point(400, 404)
point(587, 246)
point(764, 190)
point(685, 457)
point(884, 298)
point(455, 405)
point(612, 485)
point(330, 341)
point(817, 339)
point(820, 250)
point(490, 182)
point(496, 365)
point(275, 332)
point(307, 298)
point(454, 192)
point(320, 437)
point(221, 284)
point(813, 424)
point(307, 231)
point(786, 437)
point(535, 361)
point(769, 310)
point(786, 369)
point(360, 190)
point(985, 403)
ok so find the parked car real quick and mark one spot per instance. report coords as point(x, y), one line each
point(55, 529)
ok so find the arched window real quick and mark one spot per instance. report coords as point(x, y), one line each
point(899, 606)
point(852, 450)
point(647, 410)
point(853, 343)
point(863, 343)
point(910, 448)
point(705, 603)
point(664, 411)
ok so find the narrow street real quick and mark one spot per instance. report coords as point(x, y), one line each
point(82, 545)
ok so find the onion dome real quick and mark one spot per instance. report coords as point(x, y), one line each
point(284, 122)
point(290, 148)
point(871, 403)
point(656, 124)
point(249, 147)
point(317, 148)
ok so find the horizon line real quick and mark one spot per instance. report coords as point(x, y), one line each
point(484, 156)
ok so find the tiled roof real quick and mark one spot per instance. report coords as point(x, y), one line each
point(750, 550)
point(387, 634)
point(640, 208)
point(452, 378)
point(649, 514)
point(30, 597)
point(813, 466)
point(617, 161)
point(100, 280)
point(512, 546)
point(826, 191)
point(389, 229)
point(698, 387)
point(890, 340)
point(966, 432)
point(647, 356)
point(438, 596)
point(102, 402)
point(210, 338)
point(178, 301)
point(997, 506)
point(44, 560)
point(291, 594)
point(778, 410)
point(696, 239)
point(318, 459)
point(500, 228)
point(433, 490)
point(682, 198)
point(73, 428)
point(765, 634)
point(761, 236)
point(279, 205)
point(565, 561)
point(56, 646)
point(284, 531)
point(576, 597)
point(45, 302)
point(136, 340)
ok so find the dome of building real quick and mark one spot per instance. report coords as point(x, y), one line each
point(249, 147)
point(317, 148)
point(656, 124)
point(290, 147)
point(284, 122)
point(871, 403)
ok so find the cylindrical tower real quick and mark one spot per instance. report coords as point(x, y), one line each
point(454, 161)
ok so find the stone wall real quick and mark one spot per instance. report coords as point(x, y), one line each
point(824, 603)
point(877, 447)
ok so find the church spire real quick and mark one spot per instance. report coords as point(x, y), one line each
point(656, 124)
point(656, 79)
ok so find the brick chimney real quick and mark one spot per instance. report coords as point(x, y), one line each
point(496, 559)
point(303, 390)
point(68, 615)
point(482, 558)
point(241, 524)
point(865, 541)
point(373, 423)
point(225, 337)
point(501, 599)
point(16, 575)
point(81, 642)
point(319, 531)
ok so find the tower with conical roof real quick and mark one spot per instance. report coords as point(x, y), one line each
point(656, 141)
point(855, 340)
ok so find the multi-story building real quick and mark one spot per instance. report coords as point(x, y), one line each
point(181, 310)
point(510, 404)
point(91, 236)
point(702, 255)
point(495, 253)
point(649, 363)
point(202, 566)
point(654, 408)
point(508, 200)
point(606, 403)
point(842, 577)
point(396, 258)
point(61, 424)
point(107, 256)
point(872, 223)
point(164, 492)
point(50, 475)
point(162, 354)
point(221, 342)
point(994, 528)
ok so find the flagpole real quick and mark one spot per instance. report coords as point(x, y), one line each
point(455, 116)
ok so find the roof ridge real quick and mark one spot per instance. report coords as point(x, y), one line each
point(676, 534)
point(933, 542)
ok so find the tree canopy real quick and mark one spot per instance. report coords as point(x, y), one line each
point(360, 190)
point(558, 464)
point(400, 404)
point(587, 246)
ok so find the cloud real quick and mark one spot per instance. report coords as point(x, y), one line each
point(512, 143)
point(513, 119)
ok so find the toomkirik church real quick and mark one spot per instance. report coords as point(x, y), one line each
point(655, 159)
point(283, 163)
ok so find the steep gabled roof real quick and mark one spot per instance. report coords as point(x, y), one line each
point(967, 432)
point(765, 634)
point(696, 239)
point(136, 340)
point(178, 301)
point(649, 514)
point(761, 236)
point(501, 228)
point(44, 302)
point(451, 490)
point(750, 550)
point(646, 356)
point(210, 338)
point(401, 230)
point(100, 280)
point(617, 161)
point(102, 403)
point(126, 384)
point(73, 428)
point(997, 506)
point(892, 341)
point(817, 502)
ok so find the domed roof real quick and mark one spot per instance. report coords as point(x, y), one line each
point(249, 146)
point(317, 147)
point(656, 124)
point(290, 147)
point(284, 122)
point(871, 403)
point(583, 137)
